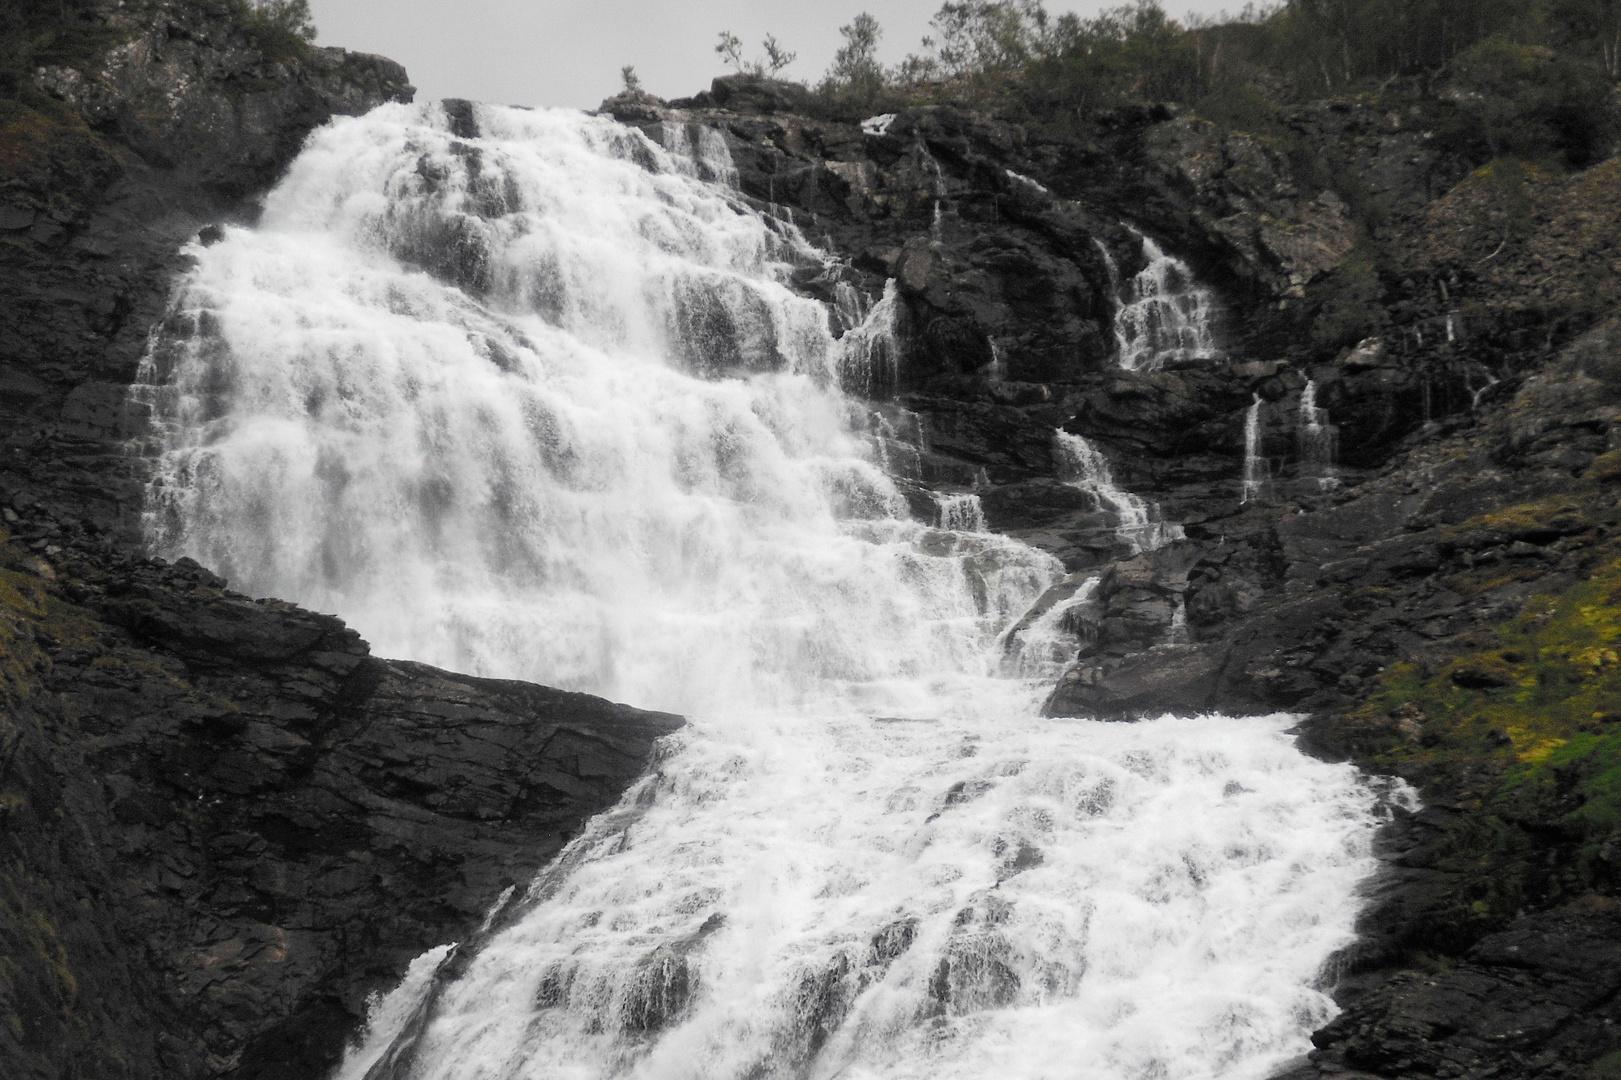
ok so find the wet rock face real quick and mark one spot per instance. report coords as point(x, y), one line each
point(1248, 201)
point(239, 824)
point(1525, 1002)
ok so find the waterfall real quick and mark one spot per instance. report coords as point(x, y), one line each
point(960, 513)
point(700, 151)
point(899, 441)
point(1257, 471)
point(1082, 465)
point(1048, 637)
point(1319, 441)
point(1179, 633)
point(937, 224)
point(869, 356)
point(1166, 314)
point(537, 402)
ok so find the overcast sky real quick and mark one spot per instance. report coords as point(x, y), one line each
point(569, 52)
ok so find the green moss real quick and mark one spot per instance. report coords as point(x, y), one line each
point(1522, 726)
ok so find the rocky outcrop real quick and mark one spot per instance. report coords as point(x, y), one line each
point(188, 112)
point(1539, 999)
point(225, 824)
point(1246, 198)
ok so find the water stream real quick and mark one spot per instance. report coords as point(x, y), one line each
point(1257, 469)
point(538, 403)
point(1137, 521)
point(1319, 440)
point(1165, 313)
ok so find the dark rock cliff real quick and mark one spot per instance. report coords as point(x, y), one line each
point(223, 824)
point(226, 824)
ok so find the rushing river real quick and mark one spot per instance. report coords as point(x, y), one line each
point(526, 394)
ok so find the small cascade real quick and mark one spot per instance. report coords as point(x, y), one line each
point(1112, 267)
point(1179, 634)
point(1257, 471)
point(869, 354)
point(996, 370)
point(1082, 465)
point(1035, 185)
point(899, 442)
point(1167, 315)
point(960, 513)
point(704, 148)
point(1319, 440)
point(1047, 638)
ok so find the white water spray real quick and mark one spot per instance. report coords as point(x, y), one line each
point(870, 353)
point(1084, 466)
point(537, 403)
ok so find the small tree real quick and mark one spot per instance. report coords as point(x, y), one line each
point(856, 72)
point(632, 83)
point(776, 57)
point(288, 17)
point(730, 48)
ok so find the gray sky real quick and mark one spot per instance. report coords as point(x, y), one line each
point(569, 52)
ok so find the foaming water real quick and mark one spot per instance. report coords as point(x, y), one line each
point(537, 402)
point(951, 896)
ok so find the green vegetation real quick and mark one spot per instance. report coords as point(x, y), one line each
point(1525, 79)
point(75, 33)
point(1521, 728)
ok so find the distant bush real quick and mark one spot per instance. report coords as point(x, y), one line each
point(282, 29)
point(1528, 101)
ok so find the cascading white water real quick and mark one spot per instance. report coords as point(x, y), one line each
point(1047, 638)
point(1319, 440)
point(1167, 315)
point(961, 513)
point(1082, 465)
point(1257, 470)
point(536, 403)
point(870, 361)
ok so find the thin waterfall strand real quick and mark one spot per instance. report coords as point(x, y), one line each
point(1257, 471)
point(1319, 440)
point(1082, 465)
